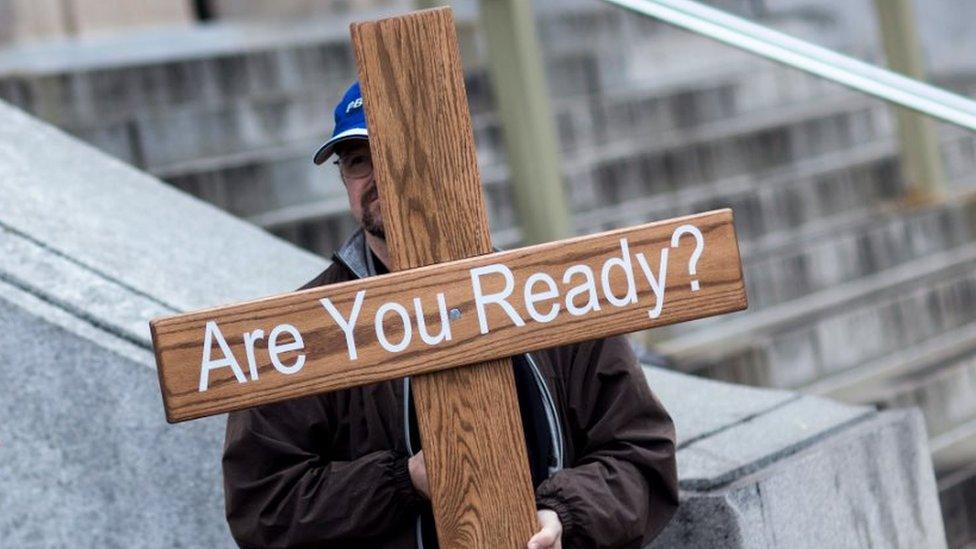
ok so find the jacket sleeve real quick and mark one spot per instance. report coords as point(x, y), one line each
point(622, 486)
point(280, 492)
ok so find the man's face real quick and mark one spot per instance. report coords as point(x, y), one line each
point(356, 168)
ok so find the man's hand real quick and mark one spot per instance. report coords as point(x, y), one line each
point(551, 534)
point(418, 473)
point(548, 537)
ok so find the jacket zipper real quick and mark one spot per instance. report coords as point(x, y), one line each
point(418, 530)
point(555, 430)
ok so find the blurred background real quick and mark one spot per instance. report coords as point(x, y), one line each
point(858, 240)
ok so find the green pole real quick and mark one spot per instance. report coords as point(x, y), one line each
point(920, 157)
point(519, 82)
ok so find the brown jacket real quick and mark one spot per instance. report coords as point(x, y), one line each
point(331, 470)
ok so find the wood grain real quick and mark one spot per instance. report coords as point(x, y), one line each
point(433, 210)
point(178, 340)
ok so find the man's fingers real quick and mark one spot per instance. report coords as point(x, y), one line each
point(550, 535)
point(418, 473)
point(542, 540)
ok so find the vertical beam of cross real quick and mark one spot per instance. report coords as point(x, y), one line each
point(433, 209)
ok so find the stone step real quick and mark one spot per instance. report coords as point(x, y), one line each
point(203, 79)
point(106, 85)
point(864, 128)
point(283, 187)
point(957, 496)
point(154, 137)
point(863, 382)
point(171, 119)
point(150, 95)
point(279, 187)
point(800, 226)
point(717, 107)
point(274, 186)
point(958, 150)
point(847, 247)
point(944, 390)
point(325, 198)
point(665, 102)
point(89, 83)
point(163, 111)
point(632, 210)
point(813, 250)
point(954, 449)
point(771, 202)
point(242, 190)
point(808, 339)
point(667, 159)
point(954, 456)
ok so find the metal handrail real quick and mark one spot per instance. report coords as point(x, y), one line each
point(771, 44)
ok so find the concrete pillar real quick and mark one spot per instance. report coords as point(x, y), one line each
point(519, 82)
point(920, 157)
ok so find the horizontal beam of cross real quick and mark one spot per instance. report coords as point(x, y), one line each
point(484, 307)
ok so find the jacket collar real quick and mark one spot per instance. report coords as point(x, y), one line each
point(355, 255)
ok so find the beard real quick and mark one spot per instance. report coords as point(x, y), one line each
point(372, 220)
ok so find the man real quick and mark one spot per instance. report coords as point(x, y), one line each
point(346, 469)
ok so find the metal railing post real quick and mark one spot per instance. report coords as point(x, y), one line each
point(920, 157)
point(518, 78)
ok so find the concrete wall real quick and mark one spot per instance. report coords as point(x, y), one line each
point(761, 468)
point(91, 249)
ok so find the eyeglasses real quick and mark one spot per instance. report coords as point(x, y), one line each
point(355, 165)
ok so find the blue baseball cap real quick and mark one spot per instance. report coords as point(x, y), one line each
point(350, 123)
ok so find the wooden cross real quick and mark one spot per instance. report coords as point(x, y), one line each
point(450, 301)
